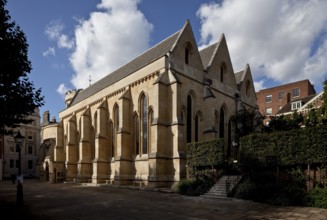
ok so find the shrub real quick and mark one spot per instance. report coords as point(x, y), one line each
point(317, 197)
point(191, 187)
point(245, 189)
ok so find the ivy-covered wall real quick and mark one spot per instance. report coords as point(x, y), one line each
point(208, 153)
point(287, 148)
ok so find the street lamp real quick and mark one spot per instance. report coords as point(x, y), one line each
point(19, 140)
point(234, 143)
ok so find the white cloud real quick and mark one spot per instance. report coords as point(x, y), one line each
point(277, 38)
point(62, 89)
point(259, 85)
point(54, 31)
point(65, 42)
point(49, 51)
point(108, 39)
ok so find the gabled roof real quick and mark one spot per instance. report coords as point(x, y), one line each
point(239, 76)
point(287, 109)
point(146, 58)
point(207, 55)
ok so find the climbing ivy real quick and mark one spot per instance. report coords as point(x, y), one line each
point(207, 153)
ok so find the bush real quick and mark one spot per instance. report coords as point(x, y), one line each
point(191, 187)
point(317, 197)
point(245, 189)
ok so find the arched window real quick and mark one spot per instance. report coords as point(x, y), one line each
point(187, 54)
point(216, 121)
point(221, 123)
point(112, 139)
point(144, 124)
point(137, 134)
point(189, 119)
point(248, 88)
point(94, 134)
point(222, 72)
point(115, 130)
point(109, 135)
point(196, 133)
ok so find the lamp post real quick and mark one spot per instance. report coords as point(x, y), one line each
point(19, 140)
point(235, 151)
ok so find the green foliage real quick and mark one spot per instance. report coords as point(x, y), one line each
point(245, 189)
point(205, 154)
point(262, 187)
point(317, 197)
point(288, 148)
point(190, 187)
point(246, 121)
point(18, 97)
point(285, 122)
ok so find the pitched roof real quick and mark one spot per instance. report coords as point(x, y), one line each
point(288, 107)
point(207, 54)
point(239, 76)
point(147, 57)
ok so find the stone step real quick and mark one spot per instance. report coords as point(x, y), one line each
point(219, 189)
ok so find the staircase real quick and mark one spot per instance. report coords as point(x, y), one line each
point(221, 188)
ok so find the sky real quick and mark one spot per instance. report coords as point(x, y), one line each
point(74, 43)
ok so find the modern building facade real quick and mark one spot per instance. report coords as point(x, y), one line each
point(134, 124)
point(273, 99)
point(29, 149)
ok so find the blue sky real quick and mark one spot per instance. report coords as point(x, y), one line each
point(70, 40)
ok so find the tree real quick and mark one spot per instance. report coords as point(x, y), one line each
point(18, 97)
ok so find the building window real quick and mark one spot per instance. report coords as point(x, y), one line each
point(11, 163)
point(222, 123)
point(222, 72)
point(114, 130)
point(187, 54)
point(111, 138)
point(268, 111)
point(268, 98)
point(248, 88)
point(30, 164)
point(295, 92)
point(281, 95)
point(189, 119)
point(30, 149)
point(12, 147)
point(196, 134)
point(296, 105)
point(137, 135)
point(144, 128)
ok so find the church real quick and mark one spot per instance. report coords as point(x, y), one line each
point(134, 124)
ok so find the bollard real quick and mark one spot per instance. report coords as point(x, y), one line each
point(19, 200)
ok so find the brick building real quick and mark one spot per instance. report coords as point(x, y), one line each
point(271, 100)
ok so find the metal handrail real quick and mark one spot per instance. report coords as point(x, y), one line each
point(231, 181)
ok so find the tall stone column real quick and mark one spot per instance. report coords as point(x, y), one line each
point(100, 162)
point(123, 157)
point(164, 157)
point(71, 149)
point(85, 148)
point(59, 152)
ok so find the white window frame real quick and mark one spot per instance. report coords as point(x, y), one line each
point(295, 92)
point(268, 111)
point(296, 105)
point(268, 98)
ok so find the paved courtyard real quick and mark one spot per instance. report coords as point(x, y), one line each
point(72, 201)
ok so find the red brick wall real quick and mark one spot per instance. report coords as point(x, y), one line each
point(306, 89)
